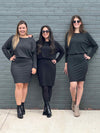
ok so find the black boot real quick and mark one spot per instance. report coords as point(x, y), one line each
point(19, 112)
point(45, 110)
point(49, 114)
point(23, 109)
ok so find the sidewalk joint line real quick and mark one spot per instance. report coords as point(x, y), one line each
point(4, 121)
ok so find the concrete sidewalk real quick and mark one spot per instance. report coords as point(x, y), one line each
point(62, 121)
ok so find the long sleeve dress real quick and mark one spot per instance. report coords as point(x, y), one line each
point(80, 44)
point(25, 52)
point(45, 68)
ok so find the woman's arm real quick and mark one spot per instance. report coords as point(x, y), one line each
point(7, 48)
point(60, 50)
point(92, 44)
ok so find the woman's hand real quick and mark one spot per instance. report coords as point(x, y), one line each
point(13, 58)
point(65, 69)
point(33, 70)
point(54, 61)
point(87, 57)
point(30, 35)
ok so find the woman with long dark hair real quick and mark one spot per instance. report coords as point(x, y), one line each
point(21, 51)
point(47, 49)
point(77, 44)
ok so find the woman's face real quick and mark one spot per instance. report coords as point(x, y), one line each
point(76, 23)
point(45, 33)
point(22, 29)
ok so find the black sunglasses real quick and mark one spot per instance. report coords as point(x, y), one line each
point(78, 21)
point(47, 31)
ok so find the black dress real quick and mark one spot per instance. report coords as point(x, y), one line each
point(74, 57)
point(45, 68)
point(25, 53)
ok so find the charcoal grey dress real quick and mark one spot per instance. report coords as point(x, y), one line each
point(25, 53)
point(79, 45)
point(45, 68)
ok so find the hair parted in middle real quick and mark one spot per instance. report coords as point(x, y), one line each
point(42, 39)
point(72, 29)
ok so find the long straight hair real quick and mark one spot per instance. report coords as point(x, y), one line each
point(72, 29)
point(15, 39)
point(42, 39)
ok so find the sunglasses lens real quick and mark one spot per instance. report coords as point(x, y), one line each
point(78, 21)
point(74, 21)
point(47, 31)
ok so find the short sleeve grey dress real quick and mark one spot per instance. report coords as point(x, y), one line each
point(25, 52)
point(45, 68)
point(79, 45)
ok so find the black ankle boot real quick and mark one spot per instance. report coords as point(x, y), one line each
point(22, 108)
point(49, 114)
point(45, 110)
point(19, 112)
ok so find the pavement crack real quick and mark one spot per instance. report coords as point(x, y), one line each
point(4, 121)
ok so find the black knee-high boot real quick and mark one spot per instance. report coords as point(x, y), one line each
point(19, 112)
point(23, 108)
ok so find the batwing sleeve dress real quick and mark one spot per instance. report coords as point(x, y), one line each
point(45, 68)
point(25, 52)
point(80, 44)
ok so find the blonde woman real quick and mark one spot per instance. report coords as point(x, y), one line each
point(21, 51)
point(77, 44)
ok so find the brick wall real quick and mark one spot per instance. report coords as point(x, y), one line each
point(57, 14)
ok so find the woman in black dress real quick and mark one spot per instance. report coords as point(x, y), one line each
point(77, 44)
point(47, 49)
point(21, 51)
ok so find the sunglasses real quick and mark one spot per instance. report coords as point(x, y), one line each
point(47, 31)
point(78, 21)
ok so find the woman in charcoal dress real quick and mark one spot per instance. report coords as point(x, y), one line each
point(47, 49)
point(21, 51)
point(77, 45)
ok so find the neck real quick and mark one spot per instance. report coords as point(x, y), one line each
point(76, 31)
point(47, 40)
point(25, 36)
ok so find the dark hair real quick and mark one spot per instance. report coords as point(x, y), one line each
point(42, 39)
point(72, 29)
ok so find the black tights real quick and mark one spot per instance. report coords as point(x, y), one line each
point(46, 93)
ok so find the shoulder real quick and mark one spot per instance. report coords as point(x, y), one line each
point(9, 40)
point(56, 42)
point(88, 35)
point(57, 45)
point(31, 40)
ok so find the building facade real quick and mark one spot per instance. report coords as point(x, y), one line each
point(56, 14)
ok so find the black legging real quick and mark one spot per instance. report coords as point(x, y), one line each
point(46, 93)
